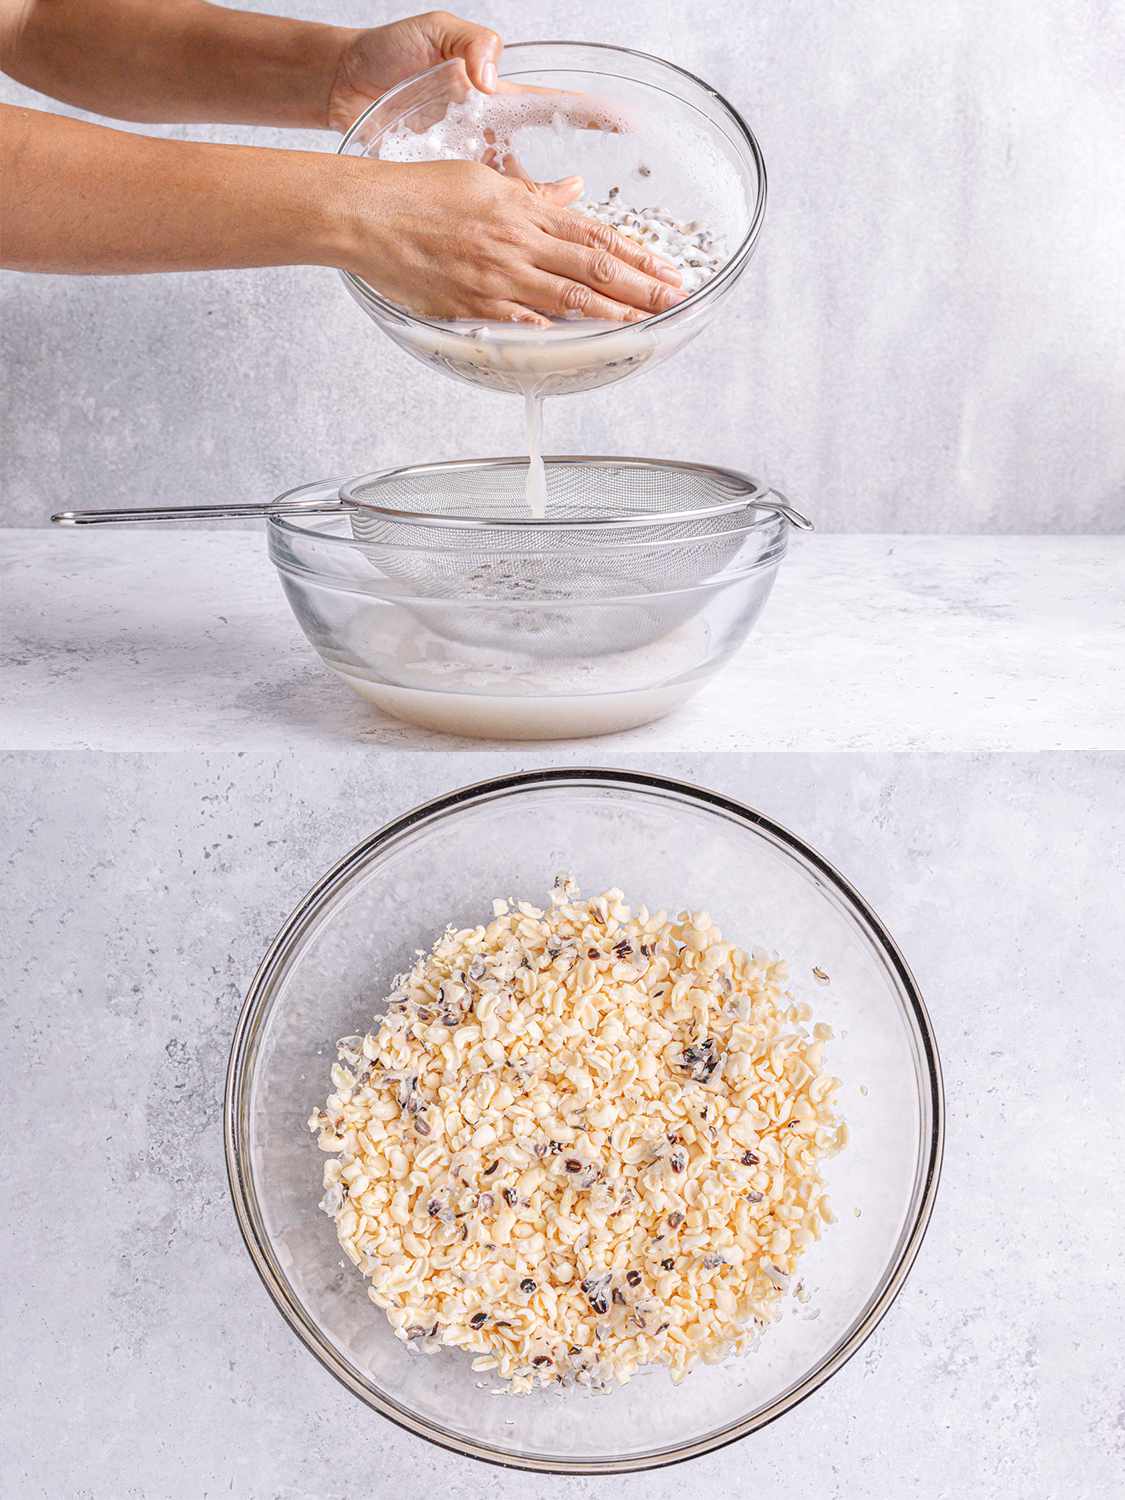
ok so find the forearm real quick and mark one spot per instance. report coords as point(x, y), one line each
point(88, 199)
point(175, 60)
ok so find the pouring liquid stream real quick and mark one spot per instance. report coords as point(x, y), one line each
point(535, 492)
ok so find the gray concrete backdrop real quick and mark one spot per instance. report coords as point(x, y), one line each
point(929, 340)
point(146, 1359)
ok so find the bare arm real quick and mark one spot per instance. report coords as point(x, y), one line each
point(450, 239)
point(188, 61)
point(173, 60)
point(88, 199)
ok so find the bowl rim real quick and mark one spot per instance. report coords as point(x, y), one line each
point(305, 913)
point(729, 273)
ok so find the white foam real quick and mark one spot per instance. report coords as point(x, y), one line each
point(468, 129)
point(652, 155)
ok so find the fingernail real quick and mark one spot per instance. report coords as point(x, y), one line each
point(673, 297)
point(488, 76)
point(569, 182)
point(669, 274)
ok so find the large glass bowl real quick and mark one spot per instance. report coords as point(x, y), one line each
point(704, 125)
point(531, 629)
point(670, 845)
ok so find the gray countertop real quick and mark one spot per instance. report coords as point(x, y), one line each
point(146, 1360)
point(158, 640)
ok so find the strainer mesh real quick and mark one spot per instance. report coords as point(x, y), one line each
point(676, 534)
point(639, 534)
point(577, 490)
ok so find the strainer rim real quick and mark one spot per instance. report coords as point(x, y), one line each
point(753, 489)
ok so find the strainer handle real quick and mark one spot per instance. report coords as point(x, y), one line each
point(774, 500)
point(233, 512)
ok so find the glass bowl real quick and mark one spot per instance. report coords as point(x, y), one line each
point(714, 145)
point(509, 628)
point(668, 844)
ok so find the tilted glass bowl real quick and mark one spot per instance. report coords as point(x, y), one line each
point(583, 359)
point(670, 845)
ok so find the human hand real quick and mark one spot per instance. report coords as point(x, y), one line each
point(375, 60)
point(451, 239)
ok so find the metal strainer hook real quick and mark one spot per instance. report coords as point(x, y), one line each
point(774, 500)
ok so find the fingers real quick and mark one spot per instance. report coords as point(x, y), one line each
point(511, 166)
point(482, 60)
point(600, 240)
point(603, 274)
point(507, 165)
point(562, 297)
point(561, 193)
point(515, 312)
point(583, 111)
point(479, 48)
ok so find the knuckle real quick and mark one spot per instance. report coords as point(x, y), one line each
point(576, 297)
point(603, 267)
point(655, 296)
point(500, 283)
point(600, 236)
point(510, 234)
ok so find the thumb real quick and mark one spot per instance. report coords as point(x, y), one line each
point(479, 48)
point(561, 193)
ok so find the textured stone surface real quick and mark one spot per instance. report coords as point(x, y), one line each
point(928, 338)
point(146, 640)
point(145, 1358)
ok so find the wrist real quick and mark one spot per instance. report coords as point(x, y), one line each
point(262, 69)
point(341, 104)
point(351, 211)
point(333, 50)
point(304, 57)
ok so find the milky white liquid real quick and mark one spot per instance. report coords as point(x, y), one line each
point(482, 693)
point(481, 716)
point(535, 492)
point(535, 363)
point(522, 358)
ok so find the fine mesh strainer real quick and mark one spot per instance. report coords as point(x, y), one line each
point(616, 530)
point(653, 524)
point(639, 535)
